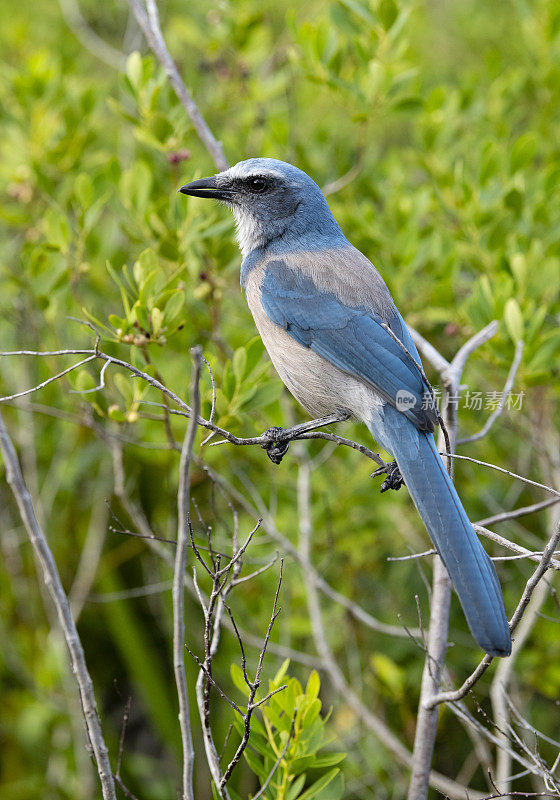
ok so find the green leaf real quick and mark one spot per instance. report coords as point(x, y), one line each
point(360, 10)
point(523, 151)
point(134, 69)
point(514, 201)
point(141, 315)
point(259, 743)
point(388, 672)
point(238, 679)
point(83, 189)
point(256, 765)
point(298, 765)
point(116, 414)
point(319, 784)
point(265, 395)
point(313, 685)
point(328, 760)
point(174, 306)
point(146, 264)
point(57, 229)
point(239, 363)
point(83, 381)
point(388, 12)
point(311, 712)
point(157, 320)
point(124, 386)
point(335, 789)
point(408, 104)
point(513, 319)
point(296, 787)
point(279, 720)
point(279, 677)
point(117, 322)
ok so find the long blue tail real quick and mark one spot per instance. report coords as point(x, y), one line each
point(470, 568)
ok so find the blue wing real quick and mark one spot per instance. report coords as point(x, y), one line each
point(351, 338)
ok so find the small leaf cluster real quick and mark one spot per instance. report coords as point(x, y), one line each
point(289, 739)
point(153, 310)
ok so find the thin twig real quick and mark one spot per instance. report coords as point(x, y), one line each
point(213, 406)
point(259, 571)
point(503, 470)
point(149, 22)
point(126, 716)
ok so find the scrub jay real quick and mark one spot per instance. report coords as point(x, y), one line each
point(319, 306)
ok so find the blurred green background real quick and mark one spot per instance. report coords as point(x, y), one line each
point(442, 119)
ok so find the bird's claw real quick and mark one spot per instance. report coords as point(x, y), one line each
point(394, 479)
point(276, 447)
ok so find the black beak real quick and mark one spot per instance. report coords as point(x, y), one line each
point(206, 187)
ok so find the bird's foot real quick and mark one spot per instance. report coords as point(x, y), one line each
point(394, 479)
point(275, 445)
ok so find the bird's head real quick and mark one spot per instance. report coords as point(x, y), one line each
point(271, 201)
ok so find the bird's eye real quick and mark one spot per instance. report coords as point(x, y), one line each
point(257, 185)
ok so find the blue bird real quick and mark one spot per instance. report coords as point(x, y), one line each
point(320, 306)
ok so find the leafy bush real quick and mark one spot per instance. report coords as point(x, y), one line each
point(434, 128)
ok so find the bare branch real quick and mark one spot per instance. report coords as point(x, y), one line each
point(522, 551)
point(508, 386)
point(100, 385)
point(126, 716)
point(183, 527)
point(429, 352)
point(220, 691)
point(87, 36)
point(52, 579)
point(269, 526)
point(149, 22)
point(304, 430)
point(505, 472)
point(458, 694)
point(259, 571)
point(518, 512)
point(455, 370)
point(502, 678)
point(535, 578)
point(49, 380)
point(211, 648)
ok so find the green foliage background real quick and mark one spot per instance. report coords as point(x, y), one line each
point(448, 116)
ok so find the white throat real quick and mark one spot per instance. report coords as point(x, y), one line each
point(248, 232)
